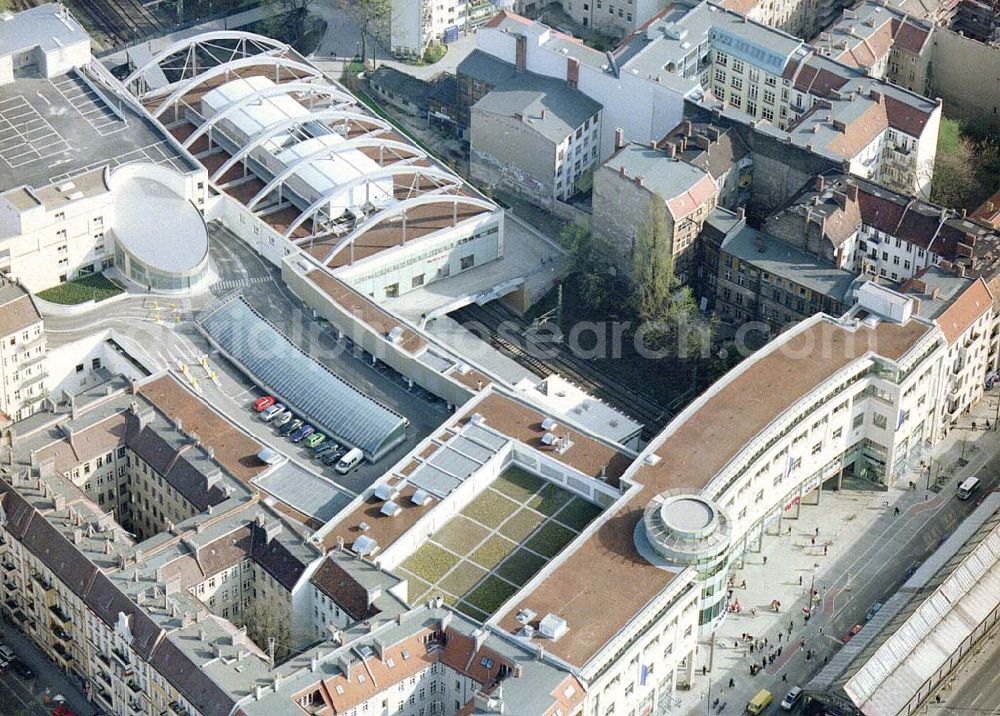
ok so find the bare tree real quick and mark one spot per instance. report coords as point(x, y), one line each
point(268, 621)
point(372, 17)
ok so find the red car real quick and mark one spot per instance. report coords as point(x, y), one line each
point(62, 711)
point(263, 403)
point(850, 635)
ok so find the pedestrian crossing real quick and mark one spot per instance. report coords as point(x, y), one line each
point(230, 284)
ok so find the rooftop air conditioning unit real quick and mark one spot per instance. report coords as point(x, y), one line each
point(549, 424)
point(364, 526)
point(477, 419)
point(548, 439)
point(395, 334)
point(66, 186)
point(390, 509)
point(652, 459)
point(364, 546)
point(552, 627)
point(385, 491)
point(526, 616)
point(421, 497)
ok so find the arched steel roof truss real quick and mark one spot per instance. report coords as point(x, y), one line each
point(383, 173)
point(205, 40)
point(401, 208)
point(320, 115)
point(277, 61)
point(327, 153)
point(265, 93)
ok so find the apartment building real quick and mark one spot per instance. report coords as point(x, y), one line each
point(627, 185)
point(416, 24)
point(529, 135)
point(712, 56)
point(927, 50)
point(22, 353)
point(616, 18)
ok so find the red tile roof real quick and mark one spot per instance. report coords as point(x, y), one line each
point(965, 310)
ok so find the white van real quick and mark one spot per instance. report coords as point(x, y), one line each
point(966, 489)
point(352, 458)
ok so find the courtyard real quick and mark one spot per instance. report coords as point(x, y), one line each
point(484, 555)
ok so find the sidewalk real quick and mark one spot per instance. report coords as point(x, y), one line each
point(849, 548)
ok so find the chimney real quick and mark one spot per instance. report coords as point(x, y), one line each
point(688, 128)
point(545, 113)
point(619, 138)
point(875, 96)
point(820, 183)
point(852, 193)
point(480, 637)
point(652, 144)
point(621, 171)
point(521, 52)
point(741, 213)
point(638, 181)
point(671, 150)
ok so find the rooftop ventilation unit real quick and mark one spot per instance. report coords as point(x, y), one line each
point(652, 459)
point(395, 334)
point(364, 526)
point(526, 616)
point(477, 419)
point(548, 439)
point(463, 368)
point(66, 186)
point(390, 509)
point(552, 627)
point(421, 497)
point(385, 491)
point(549, 424)
point(75, 195)
point(365, 546)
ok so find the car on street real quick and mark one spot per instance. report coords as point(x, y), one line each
point(6, 653)
point(285, 417)
point(22, 669)
point(302, 433)
point(272, 412)
point(263, 403)
point(289, 428)
point(851, 634)
point(315, 440)
point(792, 698)
point(872, 611)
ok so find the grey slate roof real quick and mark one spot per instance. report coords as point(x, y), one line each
point(529, 95)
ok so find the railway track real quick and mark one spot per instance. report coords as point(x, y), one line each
point(121, 21)
point(598, 383)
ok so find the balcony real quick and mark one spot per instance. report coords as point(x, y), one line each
point(8, 567)
point(176, 709)
point(103, 658)
point(106, 680)
point(134, 685)
point(122, 658)
point(59, 616)
point(43, 583)
point(62, 634)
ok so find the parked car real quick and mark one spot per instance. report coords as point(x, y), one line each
point(872, 611)
point(272, 412)
point(792, 698)
point(850, 635)
point(323, 448)
point(289, 428)
point(352, 458)
point(7, 653)
point(22, 669)
point(331, 458)
point(285, 417)
point(315, 440)
point(263, 403)
point(63, 711)
point(302, 433)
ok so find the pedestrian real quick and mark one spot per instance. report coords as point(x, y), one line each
point(731, 682)
point(791, 625)
point(751, 648)
point(789, 529)
point(824, 660)
point(765, 559)
point(736, 644)
point(704, 670)
point(800, 580)
point(779, 650)
point(896, 511)
point(824, 550)
point(802, 644)
point(812, 540)
point(817, 531)
point(763, 663)
point(784, 677)
point(780, 634)
point(743, 584)
point(821, 631)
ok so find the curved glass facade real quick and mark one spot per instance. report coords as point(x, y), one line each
point(156, 279)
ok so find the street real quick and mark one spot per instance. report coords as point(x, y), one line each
point(857, 551)
point(26, 698)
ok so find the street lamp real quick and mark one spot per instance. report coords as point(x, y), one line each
point(812, 586)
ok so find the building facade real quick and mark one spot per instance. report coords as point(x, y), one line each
point(22, 353)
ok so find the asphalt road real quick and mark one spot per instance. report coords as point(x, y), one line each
point(20, 697)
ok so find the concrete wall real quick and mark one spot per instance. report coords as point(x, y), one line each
point(966, 75)
point(619, 205)
point(505, 152)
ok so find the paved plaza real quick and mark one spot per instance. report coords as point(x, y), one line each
point(855, 549)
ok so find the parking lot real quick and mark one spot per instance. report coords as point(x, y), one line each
point(26, 136)
point(89, 104)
